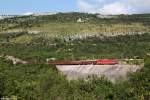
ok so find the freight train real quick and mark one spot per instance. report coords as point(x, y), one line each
point(86, 62)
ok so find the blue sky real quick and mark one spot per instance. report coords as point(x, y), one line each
point(93, 6)
point(25, 6)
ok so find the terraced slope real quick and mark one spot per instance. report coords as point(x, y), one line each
point(66, 25)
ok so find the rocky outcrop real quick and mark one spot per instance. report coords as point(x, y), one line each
point(111, 72)
point(15, 60)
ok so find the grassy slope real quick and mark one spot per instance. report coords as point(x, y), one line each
point(36, 81)
point(65, 24)
point(92, 48)
point(52, 27)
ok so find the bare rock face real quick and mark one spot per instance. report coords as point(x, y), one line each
point(111, 72)
point(15, 60)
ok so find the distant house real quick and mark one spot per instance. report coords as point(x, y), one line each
point(80, 20)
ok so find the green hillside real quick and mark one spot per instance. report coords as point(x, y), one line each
point(69, 24)
point(73, 36)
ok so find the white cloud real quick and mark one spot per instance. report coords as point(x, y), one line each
point(114, 6)
point(85, 6)
point(28, 13)
point(138, 3)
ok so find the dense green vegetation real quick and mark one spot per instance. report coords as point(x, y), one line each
point(43, 82)
point(119, 47)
